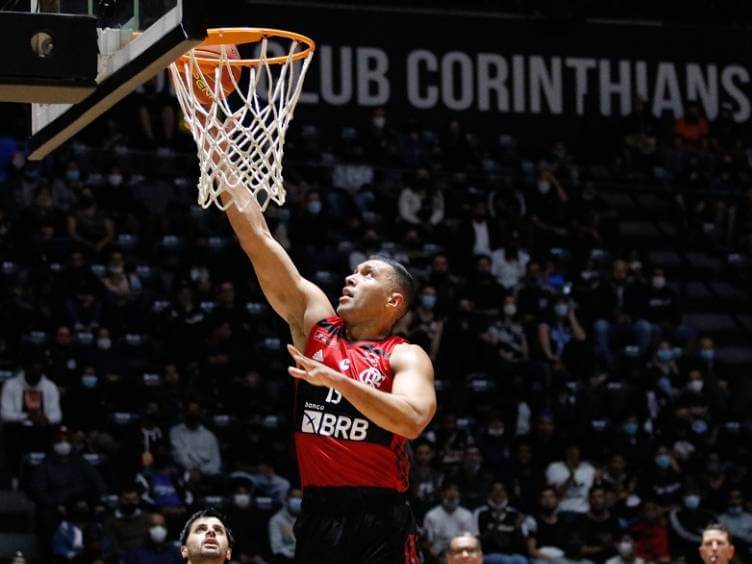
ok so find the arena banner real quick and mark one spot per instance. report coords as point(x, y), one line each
point(570, 78)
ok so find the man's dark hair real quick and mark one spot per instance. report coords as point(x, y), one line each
point(202, 514)
point(718, 527)
point(405, 281)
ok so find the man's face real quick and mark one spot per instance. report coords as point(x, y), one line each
point(716, 548)
point(548, 500)
point(207, 540)
point(464, 550)
point(423, 455)
point(367, 292)
point(597, 500)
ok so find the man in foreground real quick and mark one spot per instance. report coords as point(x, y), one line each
point(206, 539)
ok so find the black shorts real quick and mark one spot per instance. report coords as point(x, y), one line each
point(355, 525)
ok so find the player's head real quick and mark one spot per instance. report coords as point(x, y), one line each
point(716, 546)
point(205, 538)
point(380, 287)
point(464, 549)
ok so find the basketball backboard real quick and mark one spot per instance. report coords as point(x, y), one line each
point(136, 39)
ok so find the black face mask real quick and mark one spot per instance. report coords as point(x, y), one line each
point(33, 379)
point(193, 420)
point(128, 509)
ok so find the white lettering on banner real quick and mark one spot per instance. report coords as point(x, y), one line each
point(667, 96)
point(518, 88)
point(541, 80)
point(641, 79)
point(493, 71)
point(705, 89)
point(336, 426)
point(727, 80)
point(457, 91)
point(416, 62)
point(373, 65)
point(622, 87)
point(581, 68)
point(326, 60)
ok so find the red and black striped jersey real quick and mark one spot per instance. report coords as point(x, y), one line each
point(336, 444)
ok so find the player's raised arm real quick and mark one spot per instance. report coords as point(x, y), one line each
point(297, 300)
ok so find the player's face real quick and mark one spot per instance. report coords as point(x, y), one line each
point(716, 548)
point(206, 541)
point(464, 550)
point(367, 290)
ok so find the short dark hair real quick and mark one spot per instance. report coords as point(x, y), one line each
point(405, 281)
point(718, 527)
point(202, 514)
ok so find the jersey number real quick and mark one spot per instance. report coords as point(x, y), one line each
point(333, 396)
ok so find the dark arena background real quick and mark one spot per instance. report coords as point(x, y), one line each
point(571, 184)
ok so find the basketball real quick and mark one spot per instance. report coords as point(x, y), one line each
point(203, 86)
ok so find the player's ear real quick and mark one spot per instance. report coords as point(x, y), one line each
point(395, 300)
point(228, 554)
point(184, 552)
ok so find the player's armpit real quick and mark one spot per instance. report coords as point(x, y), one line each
point(413, 381)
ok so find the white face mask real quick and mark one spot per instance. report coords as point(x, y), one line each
point(104, 343)
point(659, 282)
point(379, 122)
point(62, 448)
point(561, 310)
point(158, 534)
point(241, 500)
point(510, 310)
point(625, 548)
point(695, 386)
point(544, 186)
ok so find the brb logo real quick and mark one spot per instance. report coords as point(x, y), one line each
point(371, 377)
point(336, 426)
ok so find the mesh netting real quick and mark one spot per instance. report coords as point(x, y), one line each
point(240, 134)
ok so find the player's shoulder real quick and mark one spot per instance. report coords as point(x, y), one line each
point(409, 355)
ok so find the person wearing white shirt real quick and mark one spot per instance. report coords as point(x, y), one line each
point(739, 523)
point(29, 406)
point(194, 447)
point(509, 265)
point(572, 479)
point(447, 520)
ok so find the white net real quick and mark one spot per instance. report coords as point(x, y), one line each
point(240, 131)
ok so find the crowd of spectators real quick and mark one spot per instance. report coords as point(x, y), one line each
point(580, 418)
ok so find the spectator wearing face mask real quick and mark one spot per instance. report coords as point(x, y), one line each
point(447, 520)
point(499, 527)
point(506, 338)
point(548, 212)
point(687, 522)
point(661, 480)
point(572, 478)
point(472, 478)
point(248, 520)
point(194, 447)
point(662, 372)
point(422, 325)
point(127, 527)
point(561, 339)
point(29, 405)
point(425, 478)
point(625, 552)
point(510, 264)
point(281, 536)
point(739, 523)
point(662, 308)
point(158, 549)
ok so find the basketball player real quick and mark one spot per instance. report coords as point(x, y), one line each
point(205, 539)
point(716, 547)
point(361, 393)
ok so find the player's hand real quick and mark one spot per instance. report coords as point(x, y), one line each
point(312, 371)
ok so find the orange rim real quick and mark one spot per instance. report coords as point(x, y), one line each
point(244, 35)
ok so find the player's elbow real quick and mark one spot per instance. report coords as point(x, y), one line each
point(418, 423)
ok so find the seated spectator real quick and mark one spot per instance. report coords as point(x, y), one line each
point(661, 480)
point(494, 442)
point(83, 310)
point(561, 338)
point(157, 549)
point(29, 405)
point(447, 520)
point(663, 309)
point(68, 540)
point(687, 522)
point(625, 550)
point(64, 357)
point(63, 476)
point(549, 537)
point(269, 484)
point(572, 478)
point(506, 337)
point(420, 205)
point(499, 527)
point(281, 536)
point(128, 527)
point(162, 486)
point(597, 529)
point(509, 264)
point(472, 478)
point(251, 525)
point(425, 478)
point(617, 477)
point(533, 296)
point(464, 549)
point(477, 234)
point(618, 314)
point(194, 447)
point(88, 226)
point(651, 535)
point(143, 442)
point(692, 127)
point(483, 291)
point(738, 521)
point(524, 477)
point(422, 325)
point(640, 136)
point(451, 442)
point(548, 212)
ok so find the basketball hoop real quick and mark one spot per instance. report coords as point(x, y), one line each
point(240, 112)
